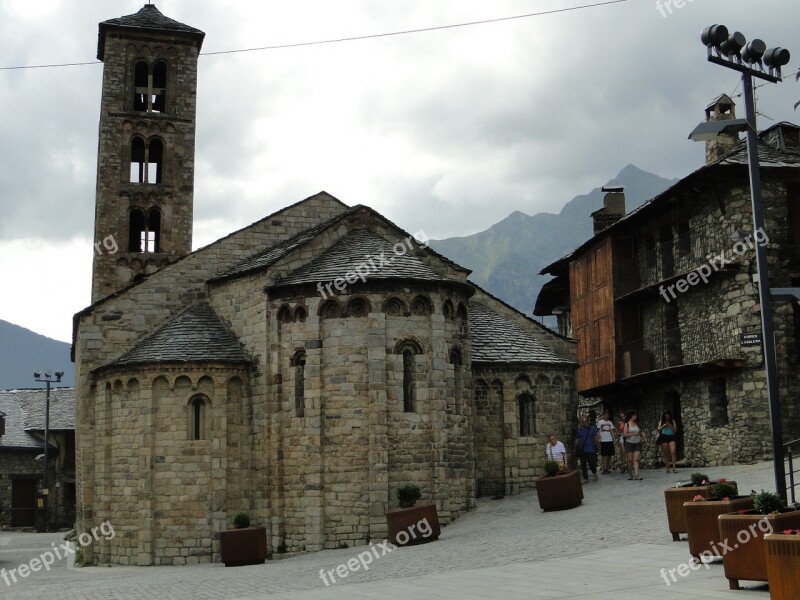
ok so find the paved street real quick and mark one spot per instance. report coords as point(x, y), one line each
point(613, 546)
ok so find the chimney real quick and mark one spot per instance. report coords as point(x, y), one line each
point(721, 109)
point(613, 208)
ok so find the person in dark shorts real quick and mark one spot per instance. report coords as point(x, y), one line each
point(606, 429)
point(667, 431)
point(633, 443)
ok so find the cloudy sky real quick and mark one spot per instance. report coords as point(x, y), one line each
point(447, 131)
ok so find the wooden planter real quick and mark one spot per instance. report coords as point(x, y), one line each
point(560, 492)
point(240, 547)
point(404, 525)
point(746, 558)
point(675, 497)
point(701, 522)
point(782, 553)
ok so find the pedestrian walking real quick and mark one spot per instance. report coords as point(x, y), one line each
point(667, 432)
point(606, 429)
point(556, 451)
point(633, 443)
point(623, 457)
point(586, 443)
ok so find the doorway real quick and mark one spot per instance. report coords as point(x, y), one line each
point(23, 502)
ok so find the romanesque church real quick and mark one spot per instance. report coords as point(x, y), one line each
point(299, 369)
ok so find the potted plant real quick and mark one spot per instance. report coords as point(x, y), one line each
point(702, 514)
point(746, 559)
point(675, 497)
point(782, 552)
point(410, 525)
point(243, 545)
point(558, 488)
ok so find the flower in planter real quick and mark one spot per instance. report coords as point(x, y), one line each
point(741, 511)
point(721, 480)
point(726, 499)
point(698, 498)
point(791, 532)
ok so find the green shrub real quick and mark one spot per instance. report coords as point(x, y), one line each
point(722, 490)
point(408, 495)
point(767, 502)
point(241, 520)
point(551, 467)
point(698, 479)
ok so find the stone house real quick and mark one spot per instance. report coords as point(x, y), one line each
point(663, 303)
point(299, 369)
point(21, 450)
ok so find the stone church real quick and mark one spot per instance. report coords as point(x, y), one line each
point(299, 369)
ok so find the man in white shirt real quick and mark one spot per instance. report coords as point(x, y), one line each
point(606, 429)
point(556, 451)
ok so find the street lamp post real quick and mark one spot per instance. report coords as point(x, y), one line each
point(45, 488)
point(755, 60)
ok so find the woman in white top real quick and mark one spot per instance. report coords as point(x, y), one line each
point(633, 443)
point(556, 451)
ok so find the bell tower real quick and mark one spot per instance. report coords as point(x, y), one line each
point(145, 161)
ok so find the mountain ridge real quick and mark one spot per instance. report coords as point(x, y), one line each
point(23, 351)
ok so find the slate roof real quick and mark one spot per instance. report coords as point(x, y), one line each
point(148, 17)
point(195, 335)
point(23, 408)
point(495, 339)
point(362, 248)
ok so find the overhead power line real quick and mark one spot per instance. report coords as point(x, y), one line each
point(353, 38)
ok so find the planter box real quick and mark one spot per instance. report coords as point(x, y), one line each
point(675, 497)
point(747, 560)
point(559, 492)
point(701, 522)
point(240, 547)
point(782, 553)
point(404, 525)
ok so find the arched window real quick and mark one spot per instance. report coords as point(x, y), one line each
point(136, 227)
point(447, 310)
point(358, 307)
point(147, 161)
point(299, 364)
point(150, 88)
point(284, 314)
point(144, 235)
point(421, 306)
point(458, 375)
point(408, 349)
point(300, 314)
point(197, 418)
point(527, 415)
point(330, 310)
point(152, 238)
point(137, 160)
point(395, 307)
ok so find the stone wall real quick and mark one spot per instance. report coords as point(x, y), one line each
point(515, 465)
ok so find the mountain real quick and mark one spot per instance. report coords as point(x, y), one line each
point(22, 352)
point(506, 258)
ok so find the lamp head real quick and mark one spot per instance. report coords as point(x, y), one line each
point(777, 57)
point(59, 375)
point(37, 374)
point(754, 51)
point(733, 45)
point(714, 35)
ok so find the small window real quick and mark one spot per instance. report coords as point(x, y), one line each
point(421, 306)
point(408, 384)
point(527, 416)
point(198, 418)
point(155, 161)
point(147, 161)
point(152, 236)
point(158, 90)
point(137, 160)
point(284, 314)
point(144, 235)
point(330, 310)
point(299, 364)
point(136, 229)
point(300, 314)
point(141, 75)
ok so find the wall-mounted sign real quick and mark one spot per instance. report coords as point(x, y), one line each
point(750, 339)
